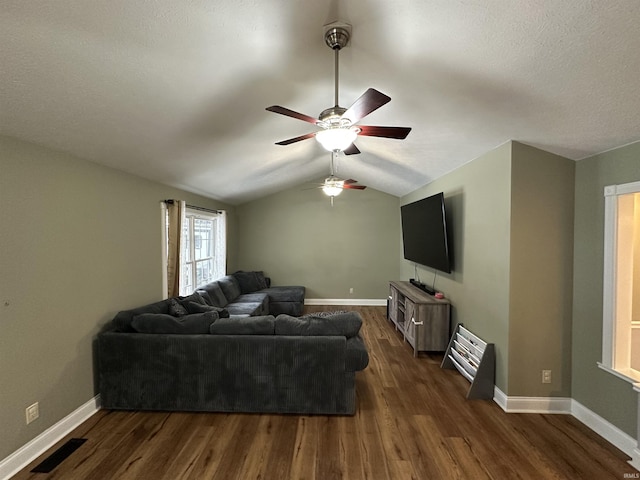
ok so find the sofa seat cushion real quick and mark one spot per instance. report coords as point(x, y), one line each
point(293, 293)
point(342, 324)
point(215, 296)
point(245, 309)
point(257, 297)
point(122, 321)
point(230, 287)
point(197, 323)
point(260, 325)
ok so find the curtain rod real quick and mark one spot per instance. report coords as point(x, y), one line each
point(195, 207)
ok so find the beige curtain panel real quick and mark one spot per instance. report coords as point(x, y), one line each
point(175, 215)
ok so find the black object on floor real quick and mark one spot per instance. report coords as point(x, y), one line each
point(57, 457)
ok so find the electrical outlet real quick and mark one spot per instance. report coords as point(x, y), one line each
point(32, 412)
point(351, 290)
point(546, 376)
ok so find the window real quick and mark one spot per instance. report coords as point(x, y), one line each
point(203, 249)
point(203, 253)
point(621, 296)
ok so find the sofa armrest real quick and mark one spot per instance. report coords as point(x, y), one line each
point(357, 355)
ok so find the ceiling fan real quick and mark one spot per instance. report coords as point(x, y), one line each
point(338, 124)
point(333, 185)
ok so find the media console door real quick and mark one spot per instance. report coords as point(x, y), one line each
point(423, 319)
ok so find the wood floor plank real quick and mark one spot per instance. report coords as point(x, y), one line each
point(463, 454)
point(303, 465)
point(223, 427)
point(350, 454)
point(412, 422)
point(281, 448)
point(328, 464)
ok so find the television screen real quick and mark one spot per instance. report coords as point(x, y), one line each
point(424, 233)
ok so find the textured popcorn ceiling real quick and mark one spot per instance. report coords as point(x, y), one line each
point(176, 90)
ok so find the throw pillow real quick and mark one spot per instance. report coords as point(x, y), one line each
point(262, 280)
point(194, 307)
point(261, 325)
point(176, 309)
point(161, 323)
point(343, 324)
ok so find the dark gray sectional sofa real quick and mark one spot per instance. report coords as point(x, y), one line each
point(250, 293)
point(186, 354)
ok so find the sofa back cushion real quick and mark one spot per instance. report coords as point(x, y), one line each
point(250, 282)
point(340, 324)
point(198, 323)
point(122, 321)
point(230, 287)
point(261, 325)
point(215, 297)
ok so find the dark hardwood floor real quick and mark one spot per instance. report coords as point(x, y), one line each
point(412, 422)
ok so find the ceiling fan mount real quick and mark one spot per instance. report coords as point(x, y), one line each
point(338, 123)
point(337, 35)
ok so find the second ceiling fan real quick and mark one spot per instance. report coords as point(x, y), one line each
point(338, 124)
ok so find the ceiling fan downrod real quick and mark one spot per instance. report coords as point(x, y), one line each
point(337, 38)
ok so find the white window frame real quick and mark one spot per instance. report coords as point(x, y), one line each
point(616, 293)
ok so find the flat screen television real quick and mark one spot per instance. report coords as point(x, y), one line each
point(424, 233)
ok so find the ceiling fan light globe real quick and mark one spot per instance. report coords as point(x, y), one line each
point(336, 139)
point(332, 186)
point(331, 190)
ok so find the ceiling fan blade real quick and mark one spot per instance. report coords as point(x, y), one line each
point(350, 181)
point(289, 141)
point(386, 132)
point(290, 113)
point(351, 150)
point(369, 101)
point(355, 187)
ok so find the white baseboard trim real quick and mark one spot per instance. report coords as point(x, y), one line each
point(609, 432)
point(531, 404)
point(36, 447)
point(365, 302)
point(635, 459)
point(569, 406)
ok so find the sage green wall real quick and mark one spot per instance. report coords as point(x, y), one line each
point(477, 199)
point(541, 270)
point(512, 227)
point(298, 238)
point(608, 396)
point(78, 242)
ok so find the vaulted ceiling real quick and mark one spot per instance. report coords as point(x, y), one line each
point(176, 90)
